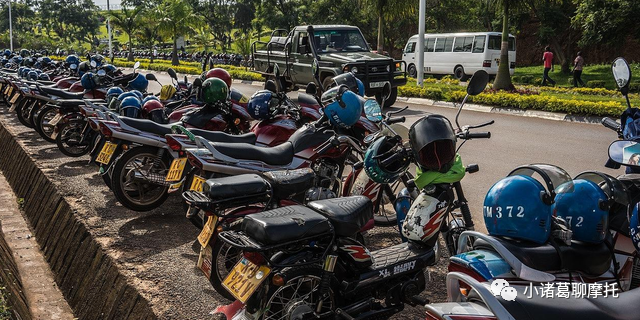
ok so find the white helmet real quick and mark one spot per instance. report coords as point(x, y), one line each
point(424, 219)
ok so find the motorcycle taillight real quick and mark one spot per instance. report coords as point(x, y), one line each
point(105, 130)
point(173, 143)
point(194, 161)
point(255, 257)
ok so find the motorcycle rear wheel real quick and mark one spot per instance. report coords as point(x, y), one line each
point(224, 259)
point(69, 139)
point(42, 125)
point(22, 105)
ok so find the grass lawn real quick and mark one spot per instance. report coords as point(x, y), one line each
point(599, 72)
point(5, 314)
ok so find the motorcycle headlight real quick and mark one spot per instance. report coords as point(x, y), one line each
point(354, 69)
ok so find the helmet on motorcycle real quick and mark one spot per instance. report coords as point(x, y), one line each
point(153, 110)
point(25, 71)
point(585, 203)
point(83, 67)
point(109, 68)
point(351, 81)
point(114, 92)
point(46, 60)
point(72, 59)
point(167, 91)
point(139, 83)
point(214, 90)
point(88, 81)
point(520, 206)
point(130, 102)
point(378, 151)
point(44, 77)
point(342, 107)
point(98, 59)
point(24, 53)
point(433, 143)
point(149, 98)
point(127, 94)
point(262, 104)
point(32, 75)
point(138, 94)
point(28, 61)
point(220, 74)
point(7, 52)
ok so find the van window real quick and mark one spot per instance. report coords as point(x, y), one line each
point(430, 45)
point(478, 44)
point(495, 42)
point(440, 45)
point(448, 44)
point(411, 47)
point(463, 44)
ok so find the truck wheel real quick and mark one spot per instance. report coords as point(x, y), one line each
point(459, 74)
point(327, 82)
point(392, 98)
point(413, 72)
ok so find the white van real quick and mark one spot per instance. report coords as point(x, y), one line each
point(459, 54)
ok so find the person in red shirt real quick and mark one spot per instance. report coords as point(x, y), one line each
point(548, 65)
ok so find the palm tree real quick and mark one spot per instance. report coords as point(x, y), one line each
point(127, 21)
point(388, 9)
point(148, 34)
point(503, 78)
point(176, 19)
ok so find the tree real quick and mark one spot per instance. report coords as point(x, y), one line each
point(503, 78)
point(148, 34)
point(556, 27)
point(175, 19)
point(71, 20)
point(128, 21)
point(389, 9)
point(607, 21)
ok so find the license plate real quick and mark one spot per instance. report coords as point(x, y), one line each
point(379, 84)
point(14, 98)
point(196, 184)
point(107, 151)
point(175, 171)
point(204, 260)
point(8, 91)
point(245, 278)
point(13, 107)
point(55, 119)
point(54, 135)
point(207, 231)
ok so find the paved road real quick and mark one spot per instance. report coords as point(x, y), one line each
point(515, 140)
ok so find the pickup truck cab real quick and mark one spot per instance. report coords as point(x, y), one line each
point(338, 48)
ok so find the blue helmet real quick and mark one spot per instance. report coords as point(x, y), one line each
point(46, 60)
point(114, 92)
point(25, 71)
point(7, 52)
point(138, 94)
point(88, 81)
point(32, 75)
point(634, 227)
point(127, 94)
point(98, 59)
point(351, 81)
point(342, 106)
point(520, 206)
point(149, 98)
point(109, 68)
point(45, 77)
point(261, 105)
point(130, 107)
point(138, 83)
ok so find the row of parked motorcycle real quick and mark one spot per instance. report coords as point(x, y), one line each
point(284, 192)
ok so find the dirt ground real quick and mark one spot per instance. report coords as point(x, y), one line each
point(157, 250)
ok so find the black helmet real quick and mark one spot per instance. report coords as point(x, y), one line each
point(433, 143)
point(24, 53)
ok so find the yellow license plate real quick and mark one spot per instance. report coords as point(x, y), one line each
point(175, 171)
point(14, 98)
point(207, 231)
point(196, 184)
point(245, 278)
point(8, 91)
point(107, 151)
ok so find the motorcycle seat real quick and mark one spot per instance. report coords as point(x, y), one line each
point(403, 252)
point(147, 125)
point(220, 189)
point(278, 156)
point(285, 224)
point(64, 94)
point(307, 99)
point(348, 215)
point(624, 307)
point(589, 259)
point(287, 184)
point(219, 136)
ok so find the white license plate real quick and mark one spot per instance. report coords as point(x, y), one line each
point(55, 119)
point(378, 84)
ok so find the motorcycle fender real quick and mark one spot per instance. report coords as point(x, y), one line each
point(487, 264)
point(424, 218)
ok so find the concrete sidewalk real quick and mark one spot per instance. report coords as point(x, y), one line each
point(43, 296)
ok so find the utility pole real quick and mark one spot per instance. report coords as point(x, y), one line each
point(10, 28)
point(109, 31)
point(420, 51)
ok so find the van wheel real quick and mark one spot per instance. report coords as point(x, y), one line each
point(327, 82)
point(459, 74)
point(413, 72)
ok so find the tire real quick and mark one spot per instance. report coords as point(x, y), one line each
point(33, 116)
point(412, 71)
point(327, 82)
point(122, 182)
point(69, 139)
point(19, 113)
point(392, 98)
point(42, 125)
point(459, 74)
point(226, 256)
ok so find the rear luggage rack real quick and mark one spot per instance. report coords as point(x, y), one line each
point(241, 240)
point(196, 198)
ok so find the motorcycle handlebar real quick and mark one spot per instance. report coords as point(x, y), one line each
point(611, 124)
point(393, 120)
point(488, 123)
point(474, 135)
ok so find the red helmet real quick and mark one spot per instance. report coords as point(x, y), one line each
point(221, 74)
point(151, 105)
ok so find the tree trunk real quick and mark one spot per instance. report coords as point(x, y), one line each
point(174, 55)
point(380, 47)
point(130, 58)
point(503, 78)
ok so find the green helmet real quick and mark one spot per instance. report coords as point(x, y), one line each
point(214, 90)
point(380, 149)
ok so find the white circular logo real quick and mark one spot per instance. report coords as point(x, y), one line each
point(498, 285)
point(509, 293)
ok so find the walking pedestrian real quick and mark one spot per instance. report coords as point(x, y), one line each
point(578, 63)
point(548, 65)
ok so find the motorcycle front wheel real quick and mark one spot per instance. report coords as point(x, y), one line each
point(21, 115)
point(42, 125)
point(69, 139)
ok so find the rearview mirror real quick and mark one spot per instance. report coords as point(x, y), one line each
point(93, 64)
point(197, 82)
point(478, 82)
point(372, 110)
point(626, 153)
point(151, 77)
point(271, 86)
point(172, 73)
point(136, 65)
point(102, 73)
point(312, 89)
point(621, 73)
